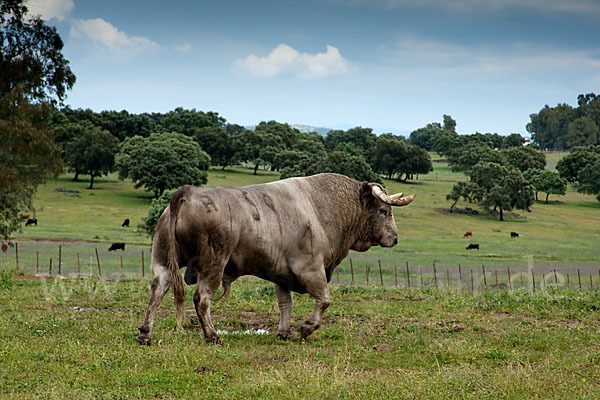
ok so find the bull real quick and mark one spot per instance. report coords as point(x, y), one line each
point(292, 232)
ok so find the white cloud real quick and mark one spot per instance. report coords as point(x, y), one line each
point(109, 39)
point(560, 6)
point(480, 61)
point(286, 60)
point(49, 9)
point(184, 48)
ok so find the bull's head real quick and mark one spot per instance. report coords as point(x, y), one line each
point(382, 230)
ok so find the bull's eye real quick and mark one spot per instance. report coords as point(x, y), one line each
point(383, 211)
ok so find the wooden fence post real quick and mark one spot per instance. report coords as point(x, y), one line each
point(435, 275)
point(459, 273)
point(509, 281)
point(421, 273)
point(367, 270)
point(98, 261)
point(122, 272)
point(555, 277)
point(59, 259)
point(17, 254)
point(544, 279)
point(521, 276)
point(78, 267)
point(591, 284)
point(484, 277)
point(395, 276)
point(142, 263)
point(472, 285)
point(50, 265)
point(407, 274)
point(448, 278)
point(352, 272)
point(37, 262)
point(533, 279)
point(380, 273)
point(579, 279)
point(496, 273)
point(568, 283)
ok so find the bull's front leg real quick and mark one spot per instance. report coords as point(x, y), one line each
point(285, 303)
point(315, 283)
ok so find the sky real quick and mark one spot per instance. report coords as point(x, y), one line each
point(390, 65)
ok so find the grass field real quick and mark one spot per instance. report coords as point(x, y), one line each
point(76, 339)
point(558, 234)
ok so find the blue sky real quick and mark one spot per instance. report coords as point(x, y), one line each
point(392, 65)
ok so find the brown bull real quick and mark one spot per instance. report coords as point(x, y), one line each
point(293, 232)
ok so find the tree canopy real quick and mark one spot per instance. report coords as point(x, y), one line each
point(162, 161)
point(33, 75)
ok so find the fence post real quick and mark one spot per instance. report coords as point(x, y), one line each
point(555, 277)
point(407, 274)
point(484, 277)
point(352, 272)
point(509, 281)
point(459, 273)
point(17, 254)
point(421, 273)
point(59, 259)
point(367, 270)
point(579, 279)
point(472, 285)
point(568, 283)
point(448, 278)
point(544, 279)
point(78, 267)
point(496, 273)
point(591, 284)
point(50, 265)
point(37, 262)
point(142, 263)
point(122, 273)
point(395, 276)
point(98, 261)
point(533, 279)
point(435, 275)
point(380, 274)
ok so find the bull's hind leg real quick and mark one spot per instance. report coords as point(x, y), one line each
point(285, 303)
point(315, 283)
point(209, 279)
point(160, 286)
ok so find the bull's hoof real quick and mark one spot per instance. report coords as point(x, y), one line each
point(213, 340)
point(307, 328)
point(287, 335)
point(144, 340)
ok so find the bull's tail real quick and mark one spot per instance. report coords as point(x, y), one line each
point(173, 255)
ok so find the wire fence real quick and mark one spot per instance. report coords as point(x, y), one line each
point(85, 260)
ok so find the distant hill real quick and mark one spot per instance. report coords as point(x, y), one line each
point(302, 128)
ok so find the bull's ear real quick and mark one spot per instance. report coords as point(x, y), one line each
point(366, 193)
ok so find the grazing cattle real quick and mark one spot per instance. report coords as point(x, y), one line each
point(31, 221)
point(514, 234)
point(125, 223)
point(24, 216)
point(292, 232)
point(468, 234)
point(4, 247)
point(473, 246)
point(117, 246)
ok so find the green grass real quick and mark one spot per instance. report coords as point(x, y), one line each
point(76, 339)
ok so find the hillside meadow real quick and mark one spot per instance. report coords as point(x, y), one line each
point(560, 234)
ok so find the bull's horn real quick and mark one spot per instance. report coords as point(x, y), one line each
point(393, 200)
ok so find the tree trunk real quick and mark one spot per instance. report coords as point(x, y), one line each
point(536, 196)
point(76, 177)
point(91, 181)
point(452, 206)
point(547, 195)
point(501, 215)
point(255, 169)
